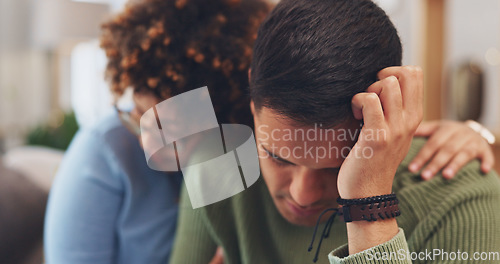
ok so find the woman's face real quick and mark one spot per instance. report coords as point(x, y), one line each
point(142, 102)
point(131, 120)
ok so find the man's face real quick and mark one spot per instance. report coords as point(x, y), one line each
point(300, 164)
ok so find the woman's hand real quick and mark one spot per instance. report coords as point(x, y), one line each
point(451, 145)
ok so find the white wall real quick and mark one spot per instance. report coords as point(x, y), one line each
point(32, 72)
point(28, 56)
point(406, 15)
point(24, 92)
point(90, 94)
point(472, 28)
point(24, 75)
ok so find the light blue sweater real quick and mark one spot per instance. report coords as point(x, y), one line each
point(106, 205)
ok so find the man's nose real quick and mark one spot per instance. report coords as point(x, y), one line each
point(307, 187)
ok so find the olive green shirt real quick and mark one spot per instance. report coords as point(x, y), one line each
point(453, 216)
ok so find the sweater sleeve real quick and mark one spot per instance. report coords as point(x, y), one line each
point(193, 243)
point(464, 233)
point(468, 233)
point(390, 252)
point(456, 221)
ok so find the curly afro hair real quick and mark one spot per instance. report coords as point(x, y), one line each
point(167, 47)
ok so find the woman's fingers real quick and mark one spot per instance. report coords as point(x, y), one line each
point(433, 144)
point(444, 155)
point(458, 162)
point(427, 128)
point(487, 158)
point(450, 147)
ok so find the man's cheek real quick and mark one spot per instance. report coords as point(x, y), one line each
point(269, 173)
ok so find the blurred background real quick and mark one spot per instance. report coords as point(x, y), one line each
point(51, 65)
point(52, 69)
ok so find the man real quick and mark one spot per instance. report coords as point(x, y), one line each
point(335, 116)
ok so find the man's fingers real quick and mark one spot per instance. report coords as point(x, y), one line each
point(367, 106)
point(426, 129)
point(357, 107)
point(411, 81)
point(390, 96)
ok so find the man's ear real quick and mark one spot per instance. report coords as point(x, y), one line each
point(252, 107)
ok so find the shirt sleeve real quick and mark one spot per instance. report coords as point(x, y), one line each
point(390, 252)
point(193, 241)
point(84, 204)
point(462, 226)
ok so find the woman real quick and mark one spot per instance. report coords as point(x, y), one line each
point(107, 205)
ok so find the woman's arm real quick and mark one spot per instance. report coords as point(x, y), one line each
point(84, 204)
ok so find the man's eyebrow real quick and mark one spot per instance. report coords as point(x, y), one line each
point(276, 156)
point(289, 162)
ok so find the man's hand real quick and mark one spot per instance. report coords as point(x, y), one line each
point(391, 110)
point(451, 145)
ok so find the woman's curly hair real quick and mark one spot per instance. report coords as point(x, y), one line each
point(167, 47)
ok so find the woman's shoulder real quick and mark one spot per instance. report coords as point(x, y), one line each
point(106, 135)
point(102, 147)
point(107, 127)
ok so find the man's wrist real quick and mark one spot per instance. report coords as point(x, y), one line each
point(365, 192)
point(369, 185)
point(363, 235)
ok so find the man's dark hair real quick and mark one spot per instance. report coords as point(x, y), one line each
point(311, 57)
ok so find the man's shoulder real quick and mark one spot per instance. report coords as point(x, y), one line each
point(437, 197)
point(466, 178)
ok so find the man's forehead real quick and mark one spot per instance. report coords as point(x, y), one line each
point(270, 121)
